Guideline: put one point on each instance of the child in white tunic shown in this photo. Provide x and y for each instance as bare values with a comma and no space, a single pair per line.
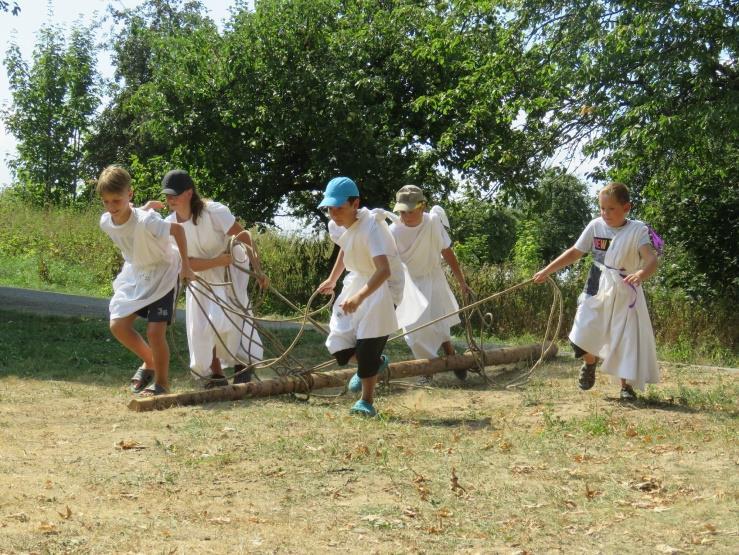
423,240
363,315
209,227
145,286
612,322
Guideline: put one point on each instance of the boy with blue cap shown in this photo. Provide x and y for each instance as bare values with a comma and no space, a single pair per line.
363,315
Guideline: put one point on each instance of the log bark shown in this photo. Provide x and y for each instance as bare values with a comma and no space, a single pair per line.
336,378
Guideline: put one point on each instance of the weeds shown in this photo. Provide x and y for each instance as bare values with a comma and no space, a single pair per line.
69,253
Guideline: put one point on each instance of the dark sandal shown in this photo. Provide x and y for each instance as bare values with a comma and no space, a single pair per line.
154,389
242,375
144,377
587,376
215,381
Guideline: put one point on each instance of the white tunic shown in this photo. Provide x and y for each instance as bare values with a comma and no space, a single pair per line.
151,262
420,249
612,321
366,238
209,239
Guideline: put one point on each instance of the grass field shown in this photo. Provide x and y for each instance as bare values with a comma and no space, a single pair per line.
460,468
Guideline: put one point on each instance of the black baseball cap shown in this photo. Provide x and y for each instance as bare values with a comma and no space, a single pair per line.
176,182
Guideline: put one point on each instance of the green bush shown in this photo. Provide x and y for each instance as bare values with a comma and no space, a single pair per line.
63,249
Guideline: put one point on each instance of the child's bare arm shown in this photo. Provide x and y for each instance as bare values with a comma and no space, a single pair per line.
649,261
177,231
328,285
200,264
562,261
153,205
381,274
451,259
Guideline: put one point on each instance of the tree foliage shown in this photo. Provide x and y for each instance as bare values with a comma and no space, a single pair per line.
53,101
653,87
6,7
555,214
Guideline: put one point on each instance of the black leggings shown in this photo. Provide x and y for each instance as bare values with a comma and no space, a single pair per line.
368,353
578,351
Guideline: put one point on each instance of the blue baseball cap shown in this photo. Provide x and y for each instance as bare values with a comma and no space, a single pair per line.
338,191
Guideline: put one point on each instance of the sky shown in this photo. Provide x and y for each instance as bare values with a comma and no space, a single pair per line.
23,28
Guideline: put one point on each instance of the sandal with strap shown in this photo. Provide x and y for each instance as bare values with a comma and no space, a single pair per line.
215,381
587,376
143,376
154,389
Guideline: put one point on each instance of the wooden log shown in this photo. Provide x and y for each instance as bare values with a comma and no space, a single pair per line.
336,378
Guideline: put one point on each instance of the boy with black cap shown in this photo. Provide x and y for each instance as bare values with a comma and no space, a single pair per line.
363,315
423,240
145,286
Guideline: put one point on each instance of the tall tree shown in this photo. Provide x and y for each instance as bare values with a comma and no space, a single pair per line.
53,101
653,87
140,124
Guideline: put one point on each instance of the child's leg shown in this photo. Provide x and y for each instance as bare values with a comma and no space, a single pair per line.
215,365
123,330
368,364
156,333
448,348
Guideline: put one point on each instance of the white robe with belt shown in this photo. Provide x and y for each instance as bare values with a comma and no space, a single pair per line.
614,324
427,295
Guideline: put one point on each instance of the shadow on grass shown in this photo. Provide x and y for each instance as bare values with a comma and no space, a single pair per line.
471,423
657,404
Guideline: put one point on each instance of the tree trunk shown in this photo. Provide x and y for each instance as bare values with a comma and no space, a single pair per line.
336,378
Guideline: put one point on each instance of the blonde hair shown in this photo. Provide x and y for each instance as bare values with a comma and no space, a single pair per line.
617,191
113,179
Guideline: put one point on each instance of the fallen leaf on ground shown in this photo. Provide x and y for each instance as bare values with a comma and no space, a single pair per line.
126,444
66,514
48,528
664,548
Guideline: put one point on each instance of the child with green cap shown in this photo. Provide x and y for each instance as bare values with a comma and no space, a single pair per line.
423,241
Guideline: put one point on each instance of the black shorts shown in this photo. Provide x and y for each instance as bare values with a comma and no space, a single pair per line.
368,353
160,310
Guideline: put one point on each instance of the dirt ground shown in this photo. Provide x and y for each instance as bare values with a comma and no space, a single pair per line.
472,469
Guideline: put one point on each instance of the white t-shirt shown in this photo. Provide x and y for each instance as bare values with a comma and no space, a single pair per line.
597,237
124,236
152,264
209,238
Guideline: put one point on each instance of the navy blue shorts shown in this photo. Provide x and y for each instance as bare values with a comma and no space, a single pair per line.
160,310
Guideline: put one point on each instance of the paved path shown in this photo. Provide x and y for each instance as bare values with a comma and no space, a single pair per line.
47,303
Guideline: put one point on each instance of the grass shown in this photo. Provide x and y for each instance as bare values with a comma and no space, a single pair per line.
468,469
70,254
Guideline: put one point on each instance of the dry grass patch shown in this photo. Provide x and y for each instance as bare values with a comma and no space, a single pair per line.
477,469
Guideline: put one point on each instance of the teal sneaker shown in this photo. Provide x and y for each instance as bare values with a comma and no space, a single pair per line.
355,383
363,408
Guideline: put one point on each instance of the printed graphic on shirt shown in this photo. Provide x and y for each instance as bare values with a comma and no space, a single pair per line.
601,243
600,246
